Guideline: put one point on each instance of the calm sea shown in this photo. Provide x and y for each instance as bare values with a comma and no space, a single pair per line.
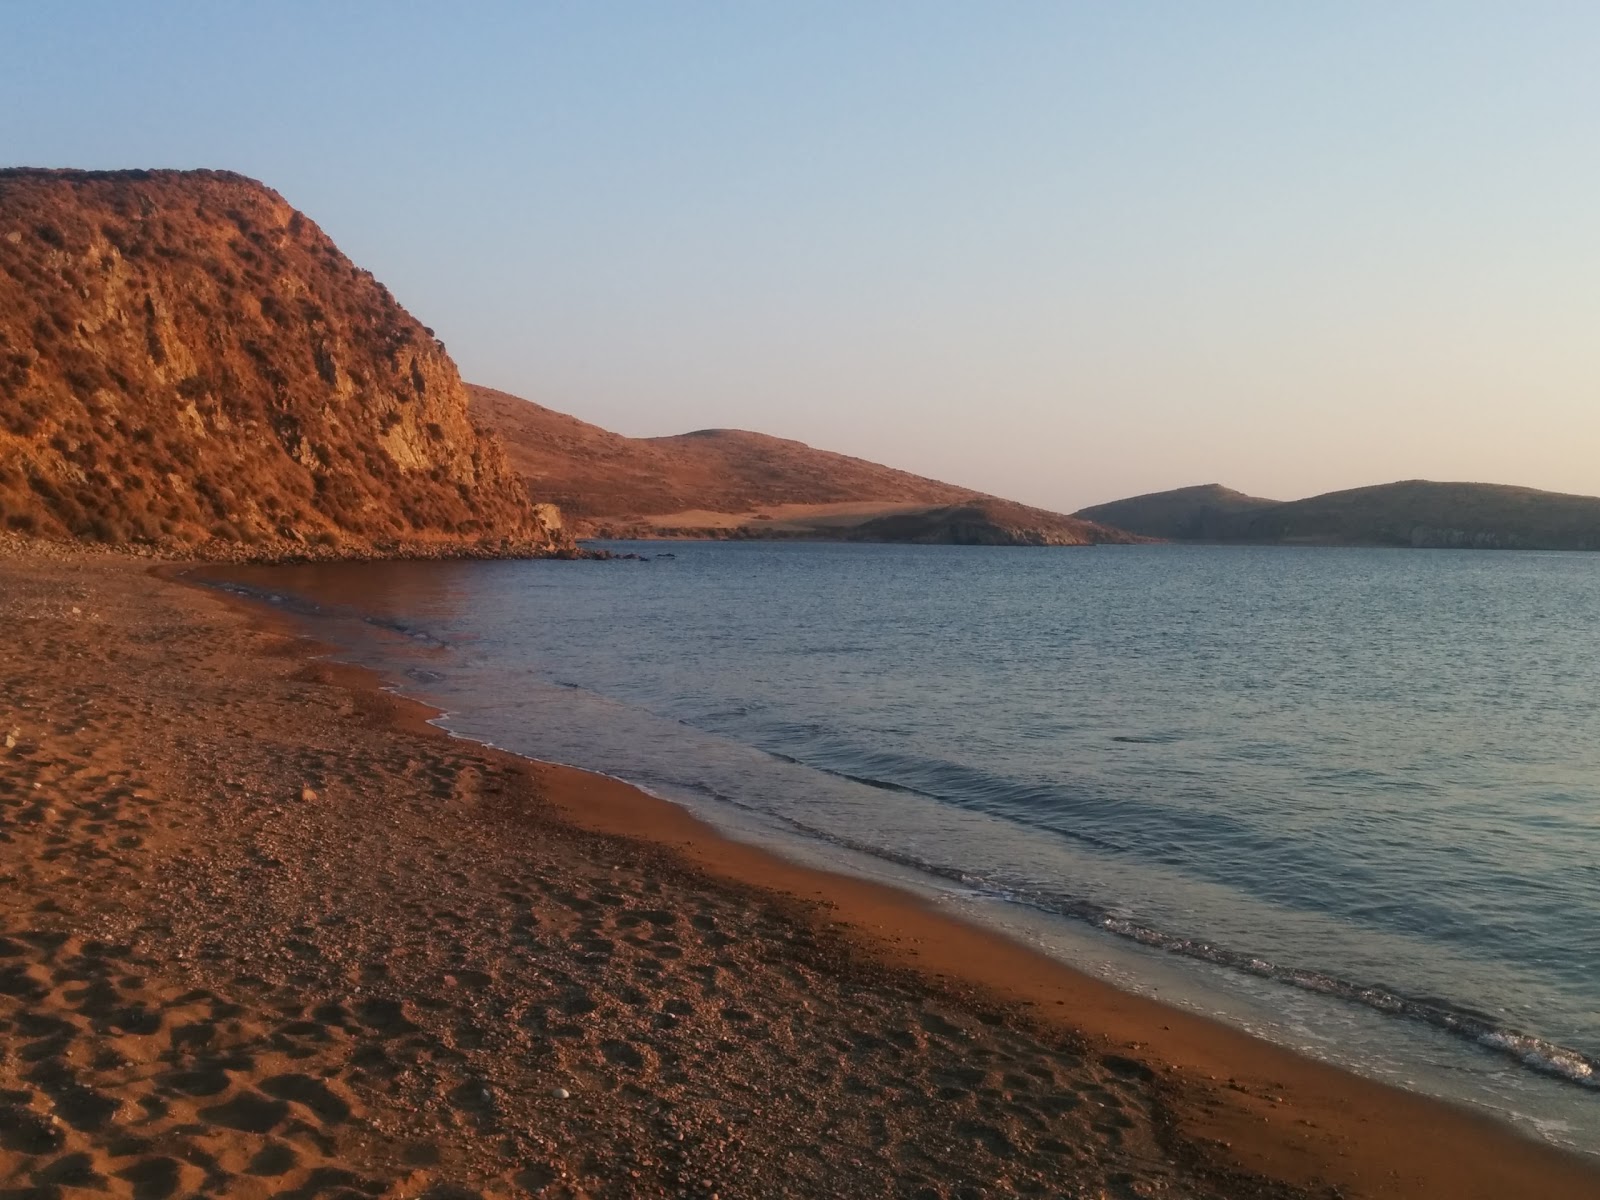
1348,799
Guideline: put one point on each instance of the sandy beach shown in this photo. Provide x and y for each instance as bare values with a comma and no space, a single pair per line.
264,931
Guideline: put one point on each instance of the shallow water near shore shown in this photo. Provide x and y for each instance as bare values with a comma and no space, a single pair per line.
1348,799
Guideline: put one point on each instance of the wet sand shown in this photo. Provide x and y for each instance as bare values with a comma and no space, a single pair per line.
264,931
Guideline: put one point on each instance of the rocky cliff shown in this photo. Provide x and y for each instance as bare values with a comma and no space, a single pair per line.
188,362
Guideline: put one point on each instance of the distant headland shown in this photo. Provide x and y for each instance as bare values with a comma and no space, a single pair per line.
1414,512
731,483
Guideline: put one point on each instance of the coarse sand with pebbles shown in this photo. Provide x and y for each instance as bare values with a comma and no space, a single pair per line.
263,932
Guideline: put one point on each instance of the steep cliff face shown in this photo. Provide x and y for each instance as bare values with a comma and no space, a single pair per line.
185,360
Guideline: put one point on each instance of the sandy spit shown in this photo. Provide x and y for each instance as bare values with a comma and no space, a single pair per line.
265,932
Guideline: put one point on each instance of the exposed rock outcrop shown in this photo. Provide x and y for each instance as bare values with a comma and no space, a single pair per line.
188,362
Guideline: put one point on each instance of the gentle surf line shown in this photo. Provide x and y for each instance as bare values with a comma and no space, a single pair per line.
1527,1050
1534,1053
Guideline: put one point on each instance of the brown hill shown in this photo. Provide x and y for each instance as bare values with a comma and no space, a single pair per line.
987,521
185,360
591,472
732,483
1200,513
1414,512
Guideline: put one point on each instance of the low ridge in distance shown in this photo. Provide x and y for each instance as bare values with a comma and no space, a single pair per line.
1414,512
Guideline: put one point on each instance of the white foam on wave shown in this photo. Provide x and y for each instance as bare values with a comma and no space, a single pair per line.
1542,1056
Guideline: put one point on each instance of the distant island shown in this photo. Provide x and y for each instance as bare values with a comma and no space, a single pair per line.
1414,512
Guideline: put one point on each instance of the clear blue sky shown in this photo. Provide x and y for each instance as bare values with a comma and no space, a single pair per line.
1061,251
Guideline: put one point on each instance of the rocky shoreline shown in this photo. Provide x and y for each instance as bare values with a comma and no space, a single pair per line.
283,551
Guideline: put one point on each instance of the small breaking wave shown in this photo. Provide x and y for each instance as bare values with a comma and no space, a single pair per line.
953,786
1532,1052
1083,813
302,607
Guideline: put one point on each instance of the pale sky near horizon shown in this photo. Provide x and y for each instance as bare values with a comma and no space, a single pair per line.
1065,252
